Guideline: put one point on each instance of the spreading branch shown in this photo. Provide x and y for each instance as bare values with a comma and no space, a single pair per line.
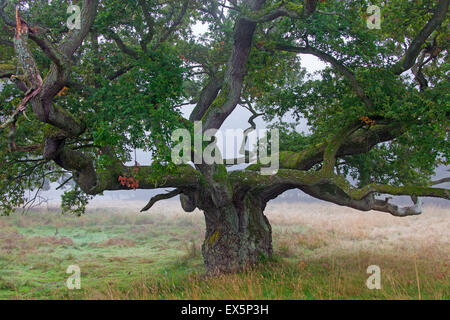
149,35
338,190
339,66
160,197
359,142
176,23
120,44
7,70
413,51
440,181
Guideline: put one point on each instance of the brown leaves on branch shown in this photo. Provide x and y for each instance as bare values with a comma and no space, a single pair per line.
63,92
129,182
367,121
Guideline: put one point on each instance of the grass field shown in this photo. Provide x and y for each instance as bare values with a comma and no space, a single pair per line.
321,252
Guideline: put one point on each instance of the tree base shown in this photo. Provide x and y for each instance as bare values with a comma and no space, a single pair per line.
237,237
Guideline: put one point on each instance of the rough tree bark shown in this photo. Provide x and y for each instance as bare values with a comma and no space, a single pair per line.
238,235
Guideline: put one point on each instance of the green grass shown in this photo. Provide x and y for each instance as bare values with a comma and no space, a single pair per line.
155,256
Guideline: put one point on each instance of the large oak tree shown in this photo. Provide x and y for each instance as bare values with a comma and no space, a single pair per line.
79,101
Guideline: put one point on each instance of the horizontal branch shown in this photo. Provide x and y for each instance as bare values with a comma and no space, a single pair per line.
359,142
335,189
440,181
7,70
418,191
6,42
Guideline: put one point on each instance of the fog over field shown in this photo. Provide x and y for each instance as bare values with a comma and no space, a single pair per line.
321,251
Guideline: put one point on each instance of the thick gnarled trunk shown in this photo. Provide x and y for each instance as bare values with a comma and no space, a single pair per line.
237,236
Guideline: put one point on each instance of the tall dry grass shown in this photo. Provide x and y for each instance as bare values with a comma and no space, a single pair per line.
323,252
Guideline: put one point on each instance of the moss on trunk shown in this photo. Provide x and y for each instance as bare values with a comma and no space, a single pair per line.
237,236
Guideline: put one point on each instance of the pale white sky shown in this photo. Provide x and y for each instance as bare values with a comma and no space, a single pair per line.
239,118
